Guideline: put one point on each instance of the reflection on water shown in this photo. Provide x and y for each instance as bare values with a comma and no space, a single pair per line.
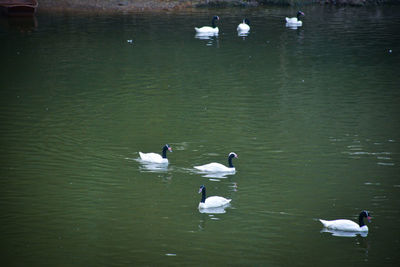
218,175
292,26
343,233
152,167
243,34
212,38
206,35
216,210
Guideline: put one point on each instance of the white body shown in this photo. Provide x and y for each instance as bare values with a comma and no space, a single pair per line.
344,225
243,27
214,167
214,202
207,29
152,157
293,21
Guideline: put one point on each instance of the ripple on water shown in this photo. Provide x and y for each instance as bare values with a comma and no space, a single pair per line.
385,164
369,183
358,149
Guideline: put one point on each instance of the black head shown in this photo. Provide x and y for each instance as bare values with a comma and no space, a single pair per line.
232,155
300,13
164,151
213,21
167,147
366,214
202,187
363,214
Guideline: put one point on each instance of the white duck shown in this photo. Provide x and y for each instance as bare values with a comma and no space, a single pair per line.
295,21
208,29
244,26
347,225
156,158
211,202
218,167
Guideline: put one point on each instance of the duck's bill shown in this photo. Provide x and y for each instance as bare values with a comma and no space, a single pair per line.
170,149
369,218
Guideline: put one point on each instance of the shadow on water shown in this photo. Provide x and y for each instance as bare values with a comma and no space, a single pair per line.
25,24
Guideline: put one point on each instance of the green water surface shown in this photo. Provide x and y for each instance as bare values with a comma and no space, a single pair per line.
313,114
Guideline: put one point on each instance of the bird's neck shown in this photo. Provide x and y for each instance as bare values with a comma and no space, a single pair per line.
361,220
213,23
298,16
230,162
203,195
164,153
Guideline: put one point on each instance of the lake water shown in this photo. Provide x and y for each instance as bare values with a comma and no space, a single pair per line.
313,114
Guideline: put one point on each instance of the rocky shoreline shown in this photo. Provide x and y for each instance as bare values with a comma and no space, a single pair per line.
166,5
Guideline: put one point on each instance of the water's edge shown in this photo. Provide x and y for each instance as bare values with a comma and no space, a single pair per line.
161,5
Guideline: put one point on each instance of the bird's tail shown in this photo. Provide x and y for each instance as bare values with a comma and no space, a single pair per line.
324,223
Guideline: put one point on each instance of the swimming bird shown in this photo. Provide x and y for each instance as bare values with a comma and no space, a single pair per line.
244,26
295,21
211,202
156,158
218,167
347,225
208,29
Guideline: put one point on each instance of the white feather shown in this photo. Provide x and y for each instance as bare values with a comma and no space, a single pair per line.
243,27
214,167
214,202
152,157
293,21
344,225
207,29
